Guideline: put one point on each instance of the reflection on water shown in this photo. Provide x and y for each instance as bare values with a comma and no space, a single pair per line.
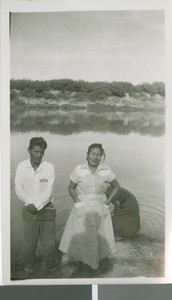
69,122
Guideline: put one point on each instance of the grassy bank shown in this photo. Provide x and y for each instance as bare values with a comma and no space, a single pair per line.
67,94
69,101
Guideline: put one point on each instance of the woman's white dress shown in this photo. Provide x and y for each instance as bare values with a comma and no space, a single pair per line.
88,235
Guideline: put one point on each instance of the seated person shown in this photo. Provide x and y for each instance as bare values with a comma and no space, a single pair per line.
125,216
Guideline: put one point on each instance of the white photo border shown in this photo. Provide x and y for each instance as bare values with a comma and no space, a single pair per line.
8,6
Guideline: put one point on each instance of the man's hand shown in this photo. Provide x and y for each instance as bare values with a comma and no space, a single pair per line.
32,209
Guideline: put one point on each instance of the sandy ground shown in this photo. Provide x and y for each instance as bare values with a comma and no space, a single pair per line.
141,256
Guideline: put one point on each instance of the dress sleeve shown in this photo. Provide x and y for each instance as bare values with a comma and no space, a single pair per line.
74,176
111,175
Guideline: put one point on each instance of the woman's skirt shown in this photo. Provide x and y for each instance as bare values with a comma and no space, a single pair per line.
88,235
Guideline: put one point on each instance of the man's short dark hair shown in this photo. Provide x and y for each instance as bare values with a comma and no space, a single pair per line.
37,141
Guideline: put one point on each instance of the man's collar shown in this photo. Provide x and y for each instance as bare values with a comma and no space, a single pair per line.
28,165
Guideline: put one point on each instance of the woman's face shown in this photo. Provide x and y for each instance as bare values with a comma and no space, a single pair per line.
94,157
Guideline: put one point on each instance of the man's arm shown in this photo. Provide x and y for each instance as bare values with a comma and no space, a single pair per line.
19,188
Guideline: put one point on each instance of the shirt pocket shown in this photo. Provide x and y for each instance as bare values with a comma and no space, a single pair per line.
43,183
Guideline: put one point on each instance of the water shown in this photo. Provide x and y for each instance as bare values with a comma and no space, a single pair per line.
134,146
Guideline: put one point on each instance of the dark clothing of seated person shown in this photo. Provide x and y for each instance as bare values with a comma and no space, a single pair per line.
126,216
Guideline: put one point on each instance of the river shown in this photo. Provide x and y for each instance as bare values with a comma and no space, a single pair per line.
134,146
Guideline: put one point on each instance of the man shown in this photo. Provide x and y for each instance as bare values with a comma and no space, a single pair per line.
34,183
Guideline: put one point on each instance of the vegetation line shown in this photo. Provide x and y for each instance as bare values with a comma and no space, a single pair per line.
70,94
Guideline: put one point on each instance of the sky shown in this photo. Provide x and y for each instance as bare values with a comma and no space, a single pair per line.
92,46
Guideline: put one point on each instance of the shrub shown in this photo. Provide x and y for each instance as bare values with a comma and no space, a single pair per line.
13,95
28,93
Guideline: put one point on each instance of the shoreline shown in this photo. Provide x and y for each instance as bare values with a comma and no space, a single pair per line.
89,107
69,95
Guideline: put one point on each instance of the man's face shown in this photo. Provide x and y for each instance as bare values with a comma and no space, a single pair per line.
36,155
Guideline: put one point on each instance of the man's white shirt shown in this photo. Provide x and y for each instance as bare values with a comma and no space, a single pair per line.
35,187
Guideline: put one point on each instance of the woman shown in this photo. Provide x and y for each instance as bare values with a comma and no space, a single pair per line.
88,235
126,215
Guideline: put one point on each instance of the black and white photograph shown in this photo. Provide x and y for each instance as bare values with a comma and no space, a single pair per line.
87,145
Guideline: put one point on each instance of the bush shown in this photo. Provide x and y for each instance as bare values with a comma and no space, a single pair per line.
28,93
48,95
13,95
